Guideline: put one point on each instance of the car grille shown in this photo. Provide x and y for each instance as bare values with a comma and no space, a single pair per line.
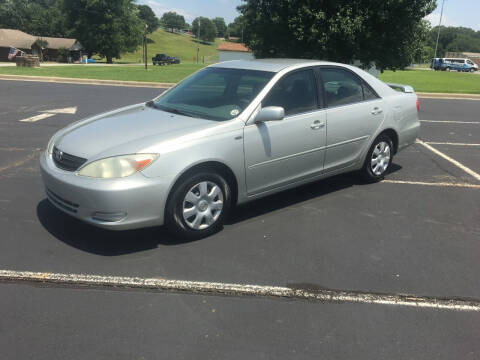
66,161
61,202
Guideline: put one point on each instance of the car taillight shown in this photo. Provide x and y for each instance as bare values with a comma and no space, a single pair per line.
418,105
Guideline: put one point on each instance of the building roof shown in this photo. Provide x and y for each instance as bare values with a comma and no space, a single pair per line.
16,38
58,43
21,40
230,46
460,54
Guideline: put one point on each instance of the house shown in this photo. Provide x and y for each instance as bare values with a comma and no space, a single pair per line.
14,38
52,45
45,47
233,51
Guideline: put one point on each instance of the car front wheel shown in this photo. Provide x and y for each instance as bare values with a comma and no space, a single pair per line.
378,160
198,206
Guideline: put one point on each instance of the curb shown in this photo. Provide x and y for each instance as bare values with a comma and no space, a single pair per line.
86,81
422,95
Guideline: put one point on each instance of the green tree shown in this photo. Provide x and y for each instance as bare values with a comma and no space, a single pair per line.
146,14
456,39
208,31
220,25
172,20
372,31
236,27
36,17
105,27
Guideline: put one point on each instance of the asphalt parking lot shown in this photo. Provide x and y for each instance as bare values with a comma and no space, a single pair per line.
416,233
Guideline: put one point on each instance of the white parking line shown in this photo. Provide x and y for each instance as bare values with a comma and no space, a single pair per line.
37,117
70,110
449,143
448,158
202,287
451,122
441,184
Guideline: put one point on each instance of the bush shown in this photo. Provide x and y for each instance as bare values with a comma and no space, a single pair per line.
62,55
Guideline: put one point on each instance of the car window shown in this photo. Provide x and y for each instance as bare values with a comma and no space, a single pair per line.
368,93
296,93
341,87
214,93
249,87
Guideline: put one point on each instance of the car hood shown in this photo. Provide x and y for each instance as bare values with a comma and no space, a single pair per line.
126,131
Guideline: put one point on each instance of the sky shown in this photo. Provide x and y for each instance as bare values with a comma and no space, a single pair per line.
190,9
455,13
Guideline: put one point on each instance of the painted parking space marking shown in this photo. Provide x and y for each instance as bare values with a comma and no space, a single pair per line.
448,158
451,122
439,184
49,113
22,161
216,288
450,143
37,117
69,110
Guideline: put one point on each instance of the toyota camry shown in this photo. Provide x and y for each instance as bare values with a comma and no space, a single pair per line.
232,132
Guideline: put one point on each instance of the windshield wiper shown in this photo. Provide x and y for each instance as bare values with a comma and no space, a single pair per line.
172,110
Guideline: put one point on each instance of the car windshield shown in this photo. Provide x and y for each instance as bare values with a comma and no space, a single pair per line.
214,93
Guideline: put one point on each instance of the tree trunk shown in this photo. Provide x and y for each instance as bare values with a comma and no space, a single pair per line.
109,60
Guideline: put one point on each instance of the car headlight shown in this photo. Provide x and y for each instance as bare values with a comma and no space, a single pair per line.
117,166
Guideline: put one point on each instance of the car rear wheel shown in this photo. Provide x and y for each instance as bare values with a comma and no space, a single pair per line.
378,160
198,206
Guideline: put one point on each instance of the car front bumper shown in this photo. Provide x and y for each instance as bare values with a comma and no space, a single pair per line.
118,204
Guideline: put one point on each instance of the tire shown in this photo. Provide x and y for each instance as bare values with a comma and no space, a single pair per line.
375,171
194,202
472,70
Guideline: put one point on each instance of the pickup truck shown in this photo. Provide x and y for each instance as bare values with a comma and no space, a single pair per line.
164,59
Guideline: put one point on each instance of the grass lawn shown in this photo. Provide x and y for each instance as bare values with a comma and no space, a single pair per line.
182,46
435,81
168,74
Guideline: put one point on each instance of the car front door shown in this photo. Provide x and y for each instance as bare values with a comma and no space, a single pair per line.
354,113
278,153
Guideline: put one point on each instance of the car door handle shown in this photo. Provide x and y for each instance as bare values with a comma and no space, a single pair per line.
317,124
376,111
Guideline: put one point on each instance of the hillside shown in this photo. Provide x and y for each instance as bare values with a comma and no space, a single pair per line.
181,46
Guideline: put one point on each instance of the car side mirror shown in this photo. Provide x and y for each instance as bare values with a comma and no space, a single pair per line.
270,113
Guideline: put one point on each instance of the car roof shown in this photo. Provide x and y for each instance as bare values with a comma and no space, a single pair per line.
272,65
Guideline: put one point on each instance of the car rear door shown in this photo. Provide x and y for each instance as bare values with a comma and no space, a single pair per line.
278,153
354,113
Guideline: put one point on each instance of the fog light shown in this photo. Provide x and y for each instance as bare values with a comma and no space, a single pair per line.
108,216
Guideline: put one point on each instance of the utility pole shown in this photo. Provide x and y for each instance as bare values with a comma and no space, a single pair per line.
438,34
145,44
198,38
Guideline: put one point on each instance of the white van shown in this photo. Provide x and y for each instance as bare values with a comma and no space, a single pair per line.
459,64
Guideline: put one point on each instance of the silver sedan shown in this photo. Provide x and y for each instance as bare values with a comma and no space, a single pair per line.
230,133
